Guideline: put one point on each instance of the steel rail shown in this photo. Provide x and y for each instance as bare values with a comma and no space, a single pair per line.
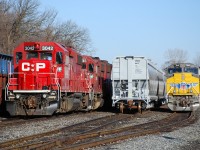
107,137
89,126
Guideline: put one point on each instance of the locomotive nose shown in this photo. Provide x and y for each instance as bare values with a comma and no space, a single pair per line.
35,74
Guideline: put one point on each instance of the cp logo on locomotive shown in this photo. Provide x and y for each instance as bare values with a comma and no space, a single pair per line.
26,66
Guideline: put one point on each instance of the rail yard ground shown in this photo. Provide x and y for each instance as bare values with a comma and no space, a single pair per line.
186,138
183,138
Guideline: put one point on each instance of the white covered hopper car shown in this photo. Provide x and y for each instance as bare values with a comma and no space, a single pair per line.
137,84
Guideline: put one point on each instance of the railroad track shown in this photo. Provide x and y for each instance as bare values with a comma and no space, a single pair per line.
81,128
96,132
99,135
105,137
19,121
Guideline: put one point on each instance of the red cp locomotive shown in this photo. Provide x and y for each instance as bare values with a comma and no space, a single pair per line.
51,78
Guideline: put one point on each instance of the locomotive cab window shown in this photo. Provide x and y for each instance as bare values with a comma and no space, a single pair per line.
18,57
46,56
59,58
83,66
192,70
91,67
79,60
32,55
174,70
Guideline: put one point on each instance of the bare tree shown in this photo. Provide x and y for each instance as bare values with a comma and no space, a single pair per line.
197,60
70,34
174,56
6,18
23,21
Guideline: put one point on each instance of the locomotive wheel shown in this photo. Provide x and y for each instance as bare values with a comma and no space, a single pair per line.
121,107
140,107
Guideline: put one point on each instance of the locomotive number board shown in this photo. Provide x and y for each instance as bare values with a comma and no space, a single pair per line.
44,48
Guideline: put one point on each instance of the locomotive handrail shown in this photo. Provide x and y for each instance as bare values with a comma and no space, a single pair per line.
31,91
6,90
17,73
195,90
57,83
169,90
59,88
8,83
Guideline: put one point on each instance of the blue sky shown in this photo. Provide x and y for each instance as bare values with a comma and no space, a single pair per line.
135,27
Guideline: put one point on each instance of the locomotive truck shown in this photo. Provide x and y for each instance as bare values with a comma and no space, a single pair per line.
51,78
183,91
137,84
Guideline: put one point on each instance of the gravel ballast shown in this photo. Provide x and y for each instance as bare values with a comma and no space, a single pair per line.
182,139
27,129
186,138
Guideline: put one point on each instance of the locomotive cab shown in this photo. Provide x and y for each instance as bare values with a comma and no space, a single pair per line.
34,85
182,87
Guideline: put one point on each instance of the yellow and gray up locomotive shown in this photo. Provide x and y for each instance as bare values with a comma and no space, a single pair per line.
182,85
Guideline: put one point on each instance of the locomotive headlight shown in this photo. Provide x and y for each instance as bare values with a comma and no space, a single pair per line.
91,76
44,95
59,69
17,96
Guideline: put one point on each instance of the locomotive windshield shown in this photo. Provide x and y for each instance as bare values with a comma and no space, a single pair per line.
46,56
32,55
174,70
192,70
184,69
43,56
18,56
